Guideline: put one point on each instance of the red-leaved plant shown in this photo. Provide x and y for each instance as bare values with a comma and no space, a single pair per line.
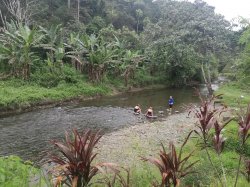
219,140
247,173
207,115
244,126
172,166
117,178
75,162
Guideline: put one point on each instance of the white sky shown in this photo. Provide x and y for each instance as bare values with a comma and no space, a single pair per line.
231,8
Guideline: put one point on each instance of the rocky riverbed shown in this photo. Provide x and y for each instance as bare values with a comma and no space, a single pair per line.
143,139
125,146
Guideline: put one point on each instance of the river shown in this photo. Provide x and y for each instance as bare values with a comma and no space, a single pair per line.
28,135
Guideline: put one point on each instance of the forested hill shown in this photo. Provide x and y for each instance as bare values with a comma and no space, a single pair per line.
173,40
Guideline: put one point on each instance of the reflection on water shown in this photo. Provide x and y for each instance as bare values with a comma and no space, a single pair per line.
27,135
158,99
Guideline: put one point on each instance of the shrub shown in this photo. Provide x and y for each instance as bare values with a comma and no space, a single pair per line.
15,172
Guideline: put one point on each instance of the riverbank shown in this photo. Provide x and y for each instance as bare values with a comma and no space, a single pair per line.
234,95
143,139
125,145
19,96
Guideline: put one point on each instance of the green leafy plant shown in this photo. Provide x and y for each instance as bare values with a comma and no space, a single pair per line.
15,172
17,48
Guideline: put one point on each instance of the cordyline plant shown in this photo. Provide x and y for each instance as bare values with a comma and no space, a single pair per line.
172,166
208,117
76,160
219,125
219,141
206,114
116,179
244,126
248,170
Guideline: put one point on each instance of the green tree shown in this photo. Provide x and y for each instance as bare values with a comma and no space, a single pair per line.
17,48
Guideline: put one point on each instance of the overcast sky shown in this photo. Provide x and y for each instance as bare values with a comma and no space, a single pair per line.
231,8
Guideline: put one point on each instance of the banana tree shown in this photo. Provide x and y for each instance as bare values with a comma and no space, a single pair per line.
76,51
17,49
94,54
99,54
54,47
55,59
129,64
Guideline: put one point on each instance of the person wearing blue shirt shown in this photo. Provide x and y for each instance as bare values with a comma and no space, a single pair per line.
170,103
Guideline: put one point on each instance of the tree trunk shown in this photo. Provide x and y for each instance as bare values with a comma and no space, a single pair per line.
207,80
69,4
78,10
137,26
50,8
26,71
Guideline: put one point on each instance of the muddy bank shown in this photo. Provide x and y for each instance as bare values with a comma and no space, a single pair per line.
143,139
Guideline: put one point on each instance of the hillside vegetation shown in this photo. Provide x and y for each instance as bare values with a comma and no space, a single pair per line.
119,44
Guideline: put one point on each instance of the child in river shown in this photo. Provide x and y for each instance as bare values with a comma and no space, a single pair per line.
149,112
137,109
170,103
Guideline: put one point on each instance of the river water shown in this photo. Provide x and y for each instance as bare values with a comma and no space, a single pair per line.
28,135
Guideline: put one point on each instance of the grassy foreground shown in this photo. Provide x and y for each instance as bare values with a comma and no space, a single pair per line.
234,96
228,160
14,172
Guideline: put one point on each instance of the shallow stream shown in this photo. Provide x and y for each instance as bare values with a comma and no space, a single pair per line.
28,135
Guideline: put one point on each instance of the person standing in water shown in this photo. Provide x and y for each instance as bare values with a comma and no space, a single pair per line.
170,103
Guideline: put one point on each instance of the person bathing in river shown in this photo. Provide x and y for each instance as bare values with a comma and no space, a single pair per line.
137,109
149,112
170,103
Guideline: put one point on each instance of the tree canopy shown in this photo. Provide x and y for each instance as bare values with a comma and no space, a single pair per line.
174,39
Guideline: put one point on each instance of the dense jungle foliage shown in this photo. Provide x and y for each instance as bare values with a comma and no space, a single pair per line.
173,42
121,43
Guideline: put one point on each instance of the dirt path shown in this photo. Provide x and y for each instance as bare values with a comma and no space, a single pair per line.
126,145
